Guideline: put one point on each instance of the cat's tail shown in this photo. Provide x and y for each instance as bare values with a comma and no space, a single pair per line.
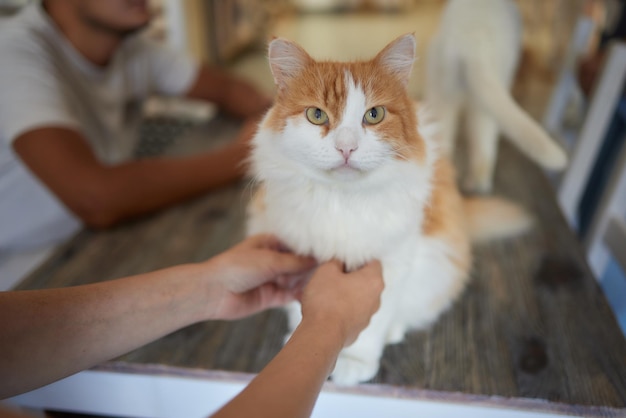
491,218
518,126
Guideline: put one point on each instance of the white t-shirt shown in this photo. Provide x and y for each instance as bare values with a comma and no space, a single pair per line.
45,81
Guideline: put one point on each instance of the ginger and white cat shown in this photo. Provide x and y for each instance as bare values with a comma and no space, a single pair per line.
471,64
347,170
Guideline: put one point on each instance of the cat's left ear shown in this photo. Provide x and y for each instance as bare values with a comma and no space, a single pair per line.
398,57
287,59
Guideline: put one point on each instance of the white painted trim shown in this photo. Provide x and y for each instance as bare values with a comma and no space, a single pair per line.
165,396
612,206
602,107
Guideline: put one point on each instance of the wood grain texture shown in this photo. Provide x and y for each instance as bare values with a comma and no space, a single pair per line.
533,324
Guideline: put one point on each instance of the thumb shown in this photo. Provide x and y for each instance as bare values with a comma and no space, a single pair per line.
333,266
267,296
281,264
271,267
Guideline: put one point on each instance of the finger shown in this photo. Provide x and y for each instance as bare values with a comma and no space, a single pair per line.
260,241
271,267
374,270
298,293
290,264
292,280
372,267
332,266
298,289
266,241
268,296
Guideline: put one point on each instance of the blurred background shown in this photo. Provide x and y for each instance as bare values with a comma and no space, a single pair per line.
234,33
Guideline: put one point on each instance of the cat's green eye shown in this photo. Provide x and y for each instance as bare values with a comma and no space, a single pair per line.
316,116
374,115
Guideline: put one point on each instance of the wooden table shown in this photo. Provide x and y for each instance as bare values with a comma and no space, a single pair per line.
532,331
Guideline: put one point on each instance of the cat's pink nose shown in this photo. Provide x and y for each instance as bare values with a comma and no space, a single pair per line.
346,150
346,142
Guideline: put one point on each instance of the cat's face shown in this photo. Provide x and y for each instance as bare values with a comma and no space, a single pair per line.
344,121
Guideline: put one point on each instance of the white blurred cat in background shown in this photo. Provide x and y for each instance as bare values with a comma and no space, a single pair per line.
471,63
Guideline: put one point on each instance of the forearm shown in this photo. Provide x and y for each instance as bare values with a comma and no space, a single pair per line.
102,195
140,187
243,100
289,385
50,334
234,95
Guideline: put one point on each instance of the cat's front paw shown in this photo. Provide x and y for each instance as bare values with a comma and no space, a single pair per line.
396,333
350,371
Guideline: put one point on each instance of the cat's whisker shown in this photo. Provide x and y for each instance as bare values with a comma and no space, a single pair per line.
404,152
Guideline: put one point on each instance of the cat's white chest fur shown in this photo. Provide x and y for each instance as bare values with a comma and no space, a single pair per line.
332,221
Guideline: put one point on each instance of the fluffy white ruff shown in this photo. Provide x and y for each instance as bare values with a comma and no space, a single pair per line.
354,220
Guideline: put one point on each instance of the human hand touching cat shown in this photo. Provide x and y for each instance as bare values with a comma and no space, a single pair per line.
347,300
252,276
336,306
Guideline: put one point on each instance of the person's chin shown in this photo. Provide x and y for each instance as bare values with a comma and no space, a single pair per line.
132,29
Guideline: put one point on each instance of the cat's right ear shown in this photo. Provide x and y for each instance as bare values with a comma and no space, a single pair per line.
398,57
287,59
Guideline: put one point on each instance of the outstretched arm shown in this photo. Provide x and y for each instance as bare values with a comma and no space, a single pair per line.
84,325
103,195
335,308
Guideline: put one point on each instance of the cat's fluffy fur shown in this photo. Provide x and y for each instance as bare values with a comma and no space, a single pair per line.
354,191
472,60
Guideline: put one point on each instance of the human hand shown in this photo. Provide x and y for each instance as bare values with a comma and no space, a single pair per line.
252,276
247,100
247,132
346,299
234,155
